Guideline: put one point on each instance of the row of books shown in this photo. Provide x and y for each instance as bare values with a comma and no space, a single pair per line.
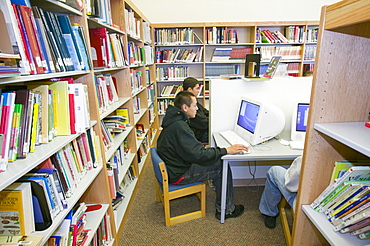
310,53
108,48
308,69
230,54
106,90
73,231
172,73
170,90
137,80
221,35
218,69
35,113
312,35
31,203
163,104
293,69
8,65
288,53
346,201
100,10
140,55
133,25
46,42
175,36
293,34
181,55
112,124
143,148
151,93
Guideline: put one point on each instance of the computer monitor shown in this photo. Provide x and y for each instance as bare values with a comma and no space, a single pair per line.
258,121
299,121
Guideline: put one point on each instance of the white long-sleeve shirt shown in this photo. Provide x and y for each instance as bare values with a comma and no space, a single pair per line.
292,175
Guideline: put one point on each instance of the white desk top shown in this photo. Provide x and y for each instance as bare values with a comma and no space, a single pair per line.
271,150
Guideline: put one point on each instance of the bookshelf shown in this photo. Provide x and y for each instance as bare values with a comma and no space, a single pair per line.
131,71
220,37
336,128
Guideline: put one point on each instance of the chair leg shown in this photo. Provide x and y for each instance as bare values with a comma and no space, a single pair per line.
158,193
284,221
203,201
167,212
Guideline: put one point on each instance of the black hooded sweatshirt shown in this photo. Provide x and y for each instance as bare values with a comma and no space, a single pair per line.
178,147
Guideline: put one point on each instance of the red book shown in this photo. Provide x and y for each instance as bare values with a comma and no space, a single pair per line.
98,41
25,41
25,16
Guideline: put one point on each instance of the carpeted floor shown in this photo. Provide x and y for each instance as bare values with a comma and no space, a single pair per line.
145,221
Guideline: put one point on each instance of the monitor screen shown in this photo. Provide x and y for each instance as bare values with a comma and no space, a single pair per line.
302,116
254,120
248,115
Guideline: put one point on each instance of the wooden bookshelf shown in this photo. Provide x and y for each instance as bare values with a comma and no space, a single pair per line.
340,104
94,187
205,69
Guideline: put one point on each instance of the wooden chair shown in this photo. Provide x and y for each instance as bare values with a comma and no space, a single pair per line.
283,205
166,192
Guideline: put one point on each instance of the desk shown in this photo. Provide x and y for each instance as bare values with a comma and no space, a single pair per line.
271,150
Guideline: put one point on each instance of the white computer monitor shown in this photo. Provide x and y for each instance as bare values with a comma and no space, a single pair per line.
258,121
299,121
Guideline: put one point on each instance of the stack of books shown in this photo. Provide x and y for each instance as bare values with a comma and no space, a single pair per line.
346,201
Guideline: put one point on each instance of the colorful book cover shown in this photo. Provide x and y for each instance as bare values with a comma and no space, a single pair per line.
16,210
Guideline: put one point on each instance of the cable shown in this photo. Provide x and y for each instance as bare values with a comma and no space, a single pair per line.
252,173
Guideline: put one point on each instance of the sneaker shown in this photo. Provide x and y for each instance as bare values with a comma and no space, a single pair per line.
239,210
270,221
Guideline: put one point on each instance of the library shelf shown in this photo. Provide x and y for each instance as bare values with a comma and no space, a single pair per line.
335,129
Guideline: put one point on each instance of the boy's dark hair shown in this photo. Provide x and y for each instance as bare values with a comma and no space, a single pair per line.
183,97
189,82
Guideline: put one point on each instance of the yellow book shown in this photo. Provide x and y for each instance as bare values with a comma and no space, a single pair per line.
43,91
21,240
60,104
125,113
35,119
16,210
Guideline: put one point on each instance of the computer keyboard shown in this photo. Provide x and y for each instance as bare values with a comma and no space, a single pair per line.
232,138
296,144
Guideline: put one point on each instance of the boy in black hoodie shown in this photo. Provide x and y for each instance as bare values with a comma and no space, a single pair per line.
187,160
199,124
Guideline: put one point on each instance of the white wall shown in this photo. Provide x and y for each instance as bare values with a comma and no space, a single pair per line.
181,11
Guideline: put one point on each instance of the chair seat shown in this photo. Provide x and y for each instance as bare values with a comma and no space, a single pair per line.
172,187
166,192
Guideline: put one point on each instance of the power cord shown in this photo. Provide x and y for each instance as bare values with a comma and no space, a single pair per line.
253,180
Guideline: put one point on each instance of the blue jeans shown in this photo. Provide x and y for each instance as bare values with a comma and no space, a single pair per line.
214,172
274,189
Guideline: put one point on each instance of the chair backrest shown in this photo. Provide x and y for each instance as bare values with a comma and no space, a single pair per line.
156,160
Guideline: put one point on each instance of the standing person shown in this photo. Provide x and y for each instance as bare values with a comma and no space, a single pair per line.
199,124
187,160
279,182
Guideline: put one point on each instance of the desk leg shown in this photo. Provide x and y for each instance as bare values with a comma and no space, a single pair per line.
223,190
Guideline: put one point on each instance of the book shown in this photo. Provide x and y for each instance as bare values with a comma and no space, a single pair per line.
17,45
43,95
25,98
16,210
29,240
5,127
14,138
26,19
45,182
355,173
99,46
59,89
340,167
